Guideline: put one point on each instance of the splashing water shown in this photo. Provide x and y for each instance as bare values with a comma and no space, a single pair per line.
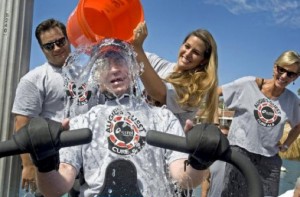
79,64
29,195
89,65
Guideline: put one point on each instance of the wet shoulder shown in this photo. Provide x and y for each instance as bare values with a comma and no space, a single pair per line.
85,119
163,113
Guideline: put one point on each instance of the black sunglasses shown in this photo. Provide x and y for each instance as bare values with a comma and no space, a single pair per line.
290,74
59,42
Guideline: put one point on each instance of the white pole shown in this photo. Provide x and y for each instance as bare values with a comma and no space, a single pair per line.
15,44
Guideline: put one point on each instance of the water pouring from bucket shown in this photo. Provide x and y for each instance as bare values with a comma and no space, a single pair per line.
94,20
91,65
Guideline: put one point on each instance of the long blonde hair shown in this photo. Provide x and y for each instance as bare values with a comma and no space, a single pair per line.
198,87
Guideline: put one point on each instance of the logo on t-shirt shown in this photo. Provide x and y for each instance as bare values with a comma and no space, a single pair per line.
81,93
267,113
126,133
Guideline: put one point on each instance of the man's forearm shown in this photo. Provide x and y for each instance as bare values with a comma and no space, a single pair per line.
187,177
21,121
56,183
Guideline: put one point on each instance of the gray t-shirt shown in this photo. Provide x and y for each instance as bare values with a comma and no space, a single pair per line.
41,93
258,121
163,69
45,92
119,133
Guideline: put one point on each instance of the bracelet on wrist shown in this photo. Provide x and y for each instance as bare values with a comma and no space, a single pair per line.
285,146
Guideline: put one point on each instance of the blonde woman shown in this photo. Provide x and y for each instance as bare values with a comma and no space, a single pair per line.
262,107
189,83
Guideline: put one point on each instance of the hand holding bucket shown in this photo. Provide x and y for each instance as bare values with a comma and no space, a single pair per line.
93,20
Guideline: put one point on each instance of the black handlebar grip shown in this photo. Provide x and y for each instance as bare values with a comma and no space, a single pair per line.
67,138
167,141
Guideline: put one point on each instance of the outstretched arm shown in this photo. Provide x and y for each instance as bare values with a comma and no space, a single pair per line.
154,85
28,168
56,183
187,178
292,136
42,139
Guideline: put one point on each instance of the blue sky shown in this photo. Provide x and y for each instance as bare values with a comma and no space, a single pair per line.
250,34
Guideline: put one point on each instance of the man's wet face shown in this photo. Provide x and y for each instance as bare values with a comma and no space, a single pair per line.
115,76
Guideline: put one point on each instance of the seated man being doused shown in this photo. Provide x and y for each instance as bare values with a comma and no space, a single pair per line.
118,160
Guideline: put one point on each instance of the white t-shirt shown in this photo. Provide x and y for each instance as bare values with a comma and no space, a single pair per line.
258,121
119,133
41,93
45,92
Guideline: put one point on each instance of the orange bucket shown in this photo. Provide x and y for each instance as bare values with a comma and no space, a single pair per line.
93,20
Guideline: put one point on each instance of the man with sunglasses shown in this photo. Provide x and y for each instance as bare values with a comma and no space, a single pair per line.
262,108
41,91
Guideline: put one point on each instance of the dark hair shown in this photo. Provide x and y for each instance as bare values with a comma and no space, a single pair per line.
47,25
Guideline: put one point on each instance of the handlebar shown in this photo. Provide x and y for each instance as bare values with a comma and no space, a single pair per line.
204,142
209,140
67,138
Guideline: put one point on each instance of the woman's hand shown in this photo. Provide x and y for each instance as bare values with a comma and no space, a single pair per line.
139,35
65,124
188,125
282,147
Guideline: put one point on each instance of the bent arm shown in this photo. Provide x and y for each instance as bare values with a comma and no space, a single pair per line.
28,170
21,121
56,183
292,136
154,85
189,178
216,115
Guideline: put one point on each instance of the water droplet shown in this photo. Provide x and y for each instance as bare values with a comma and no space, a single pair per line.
114,173
29,194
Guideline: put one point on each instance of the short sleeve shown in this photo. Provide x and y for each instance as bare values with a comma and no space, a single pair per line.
28,99
232,91
294,108
162,67
173,127
171,101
